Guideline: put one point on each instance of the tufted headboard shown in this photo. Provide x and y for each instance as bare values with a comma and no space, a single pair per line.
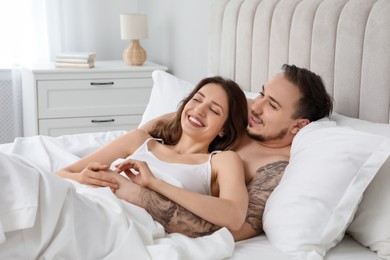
347,42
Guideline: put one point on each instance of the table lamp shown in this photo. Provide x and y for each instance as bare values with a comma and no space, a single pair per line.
134,27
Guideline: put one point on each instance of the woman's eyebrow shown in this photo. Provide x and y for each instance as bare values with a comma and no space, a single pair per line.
214,102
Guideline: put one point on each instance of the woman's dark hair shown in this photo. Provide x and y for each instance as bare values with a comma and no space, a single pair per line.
315,102
170,130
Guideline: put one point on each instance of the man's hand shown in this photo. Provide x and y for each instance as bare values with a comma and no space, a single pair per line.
127,190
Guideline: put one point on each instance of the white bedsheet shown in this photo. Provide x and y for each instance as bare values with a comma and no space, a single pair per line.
260,248
45,217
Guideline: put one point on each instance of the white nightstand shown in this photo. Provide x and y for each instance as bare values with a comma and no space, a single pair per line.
111,96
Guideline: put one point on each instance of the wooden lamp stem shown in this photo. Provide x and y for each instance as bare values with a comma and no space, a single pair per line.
134,54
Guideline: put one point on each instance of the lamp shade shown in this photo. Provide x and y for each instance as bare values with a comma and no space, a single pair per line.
134,26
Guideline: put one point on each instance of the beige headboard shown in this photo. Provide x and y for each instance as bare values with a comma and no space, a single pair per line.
347,42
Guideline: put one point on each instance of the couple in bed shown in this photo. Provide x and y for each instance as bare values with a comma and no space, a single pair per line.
220,188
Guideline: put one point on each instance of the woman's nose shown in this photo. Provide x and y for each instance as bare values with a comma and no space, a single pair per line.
200,109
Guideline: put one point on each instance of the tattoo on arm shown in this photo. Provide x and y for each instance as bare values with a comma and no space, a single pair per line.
264,182
173,217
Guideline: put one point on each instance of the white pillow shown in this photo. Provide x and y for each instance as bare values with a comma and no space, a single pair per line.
167,92
371,225
251,95
329,169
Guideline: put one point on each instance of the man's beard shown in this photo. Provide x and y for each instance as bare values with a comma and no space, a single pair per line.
263,138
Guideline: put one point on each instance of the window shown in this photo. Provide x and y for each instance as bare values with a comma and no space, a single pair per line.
23,32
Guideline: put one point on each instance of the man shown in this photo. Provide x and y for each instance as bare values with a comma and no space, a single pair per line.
286,103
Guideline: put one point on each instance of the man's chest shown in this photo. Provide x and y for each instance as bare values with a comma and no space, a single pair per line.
255,161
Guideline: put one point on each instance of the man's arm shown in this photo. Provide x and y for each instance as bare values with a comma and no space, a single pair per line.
175,218
259,189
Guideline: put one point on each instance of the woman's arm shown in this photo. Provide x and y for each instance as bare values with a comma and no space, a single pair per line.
91,170
228,210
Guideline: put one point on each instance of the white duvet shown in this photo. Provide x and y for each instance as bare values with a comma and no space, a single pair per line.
45,217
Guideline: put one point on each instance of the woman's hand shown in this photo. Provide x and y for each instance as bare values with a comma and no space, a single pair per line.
97,175
142,175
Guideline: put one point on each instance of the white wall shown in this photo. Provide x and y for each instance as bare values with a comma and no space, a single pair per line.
178,35
178,31
88,25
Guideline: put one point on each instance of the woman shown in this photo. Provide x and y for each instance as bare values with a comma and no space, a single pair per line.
210,119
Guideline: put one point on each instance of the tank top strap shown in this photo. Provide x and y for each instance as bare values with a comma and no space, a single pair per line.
211,154
152,138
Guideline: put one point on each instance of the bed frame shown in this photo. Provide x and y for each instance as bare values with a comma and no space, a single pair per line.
347,42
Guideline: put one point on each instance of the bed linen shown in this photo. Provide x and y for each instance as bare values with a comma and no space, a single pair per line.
260,248
43,216
96,225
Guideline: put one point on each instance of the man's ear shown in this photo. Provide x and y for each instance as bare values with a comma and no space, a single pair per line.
299,125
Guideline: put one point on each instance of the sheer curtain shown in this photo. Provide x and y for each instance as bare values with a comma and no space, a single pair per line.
24,39
23,32
33,31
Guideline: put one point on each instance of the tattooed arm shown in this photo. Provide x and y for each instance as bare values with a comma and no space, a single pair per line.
172,216
259,189
175,218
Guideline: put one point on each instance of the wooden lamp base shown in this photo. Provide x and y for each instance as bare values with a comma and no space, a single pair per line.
134,55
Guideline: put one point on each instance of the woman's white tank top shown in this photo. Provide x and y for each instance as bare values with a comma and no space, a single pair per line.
193,177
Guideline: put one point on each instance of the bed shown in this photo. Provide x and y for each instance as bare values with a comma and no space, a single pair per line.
345,41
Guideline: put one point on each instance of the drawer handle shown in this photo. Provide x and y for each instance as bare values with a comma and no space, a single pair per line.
102,121
102,83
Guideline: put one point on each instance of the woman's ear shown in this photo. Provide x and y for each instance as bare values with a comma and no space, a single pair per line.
299,125
221,134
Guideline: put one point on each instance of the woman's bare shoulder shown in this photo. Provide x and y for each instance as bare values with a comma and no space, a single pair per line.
228,154
227,159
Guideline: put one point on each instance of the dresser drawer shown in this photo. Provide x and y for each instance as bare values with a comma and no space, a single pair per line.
78,98
64,126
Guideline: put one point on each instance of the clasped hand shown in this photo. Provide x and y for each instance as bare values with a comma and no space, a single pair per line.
139,174
100,175
138,171
97,175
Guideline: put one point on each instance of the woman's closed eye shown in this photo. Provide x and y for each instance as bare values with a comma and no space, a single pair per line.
215,111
